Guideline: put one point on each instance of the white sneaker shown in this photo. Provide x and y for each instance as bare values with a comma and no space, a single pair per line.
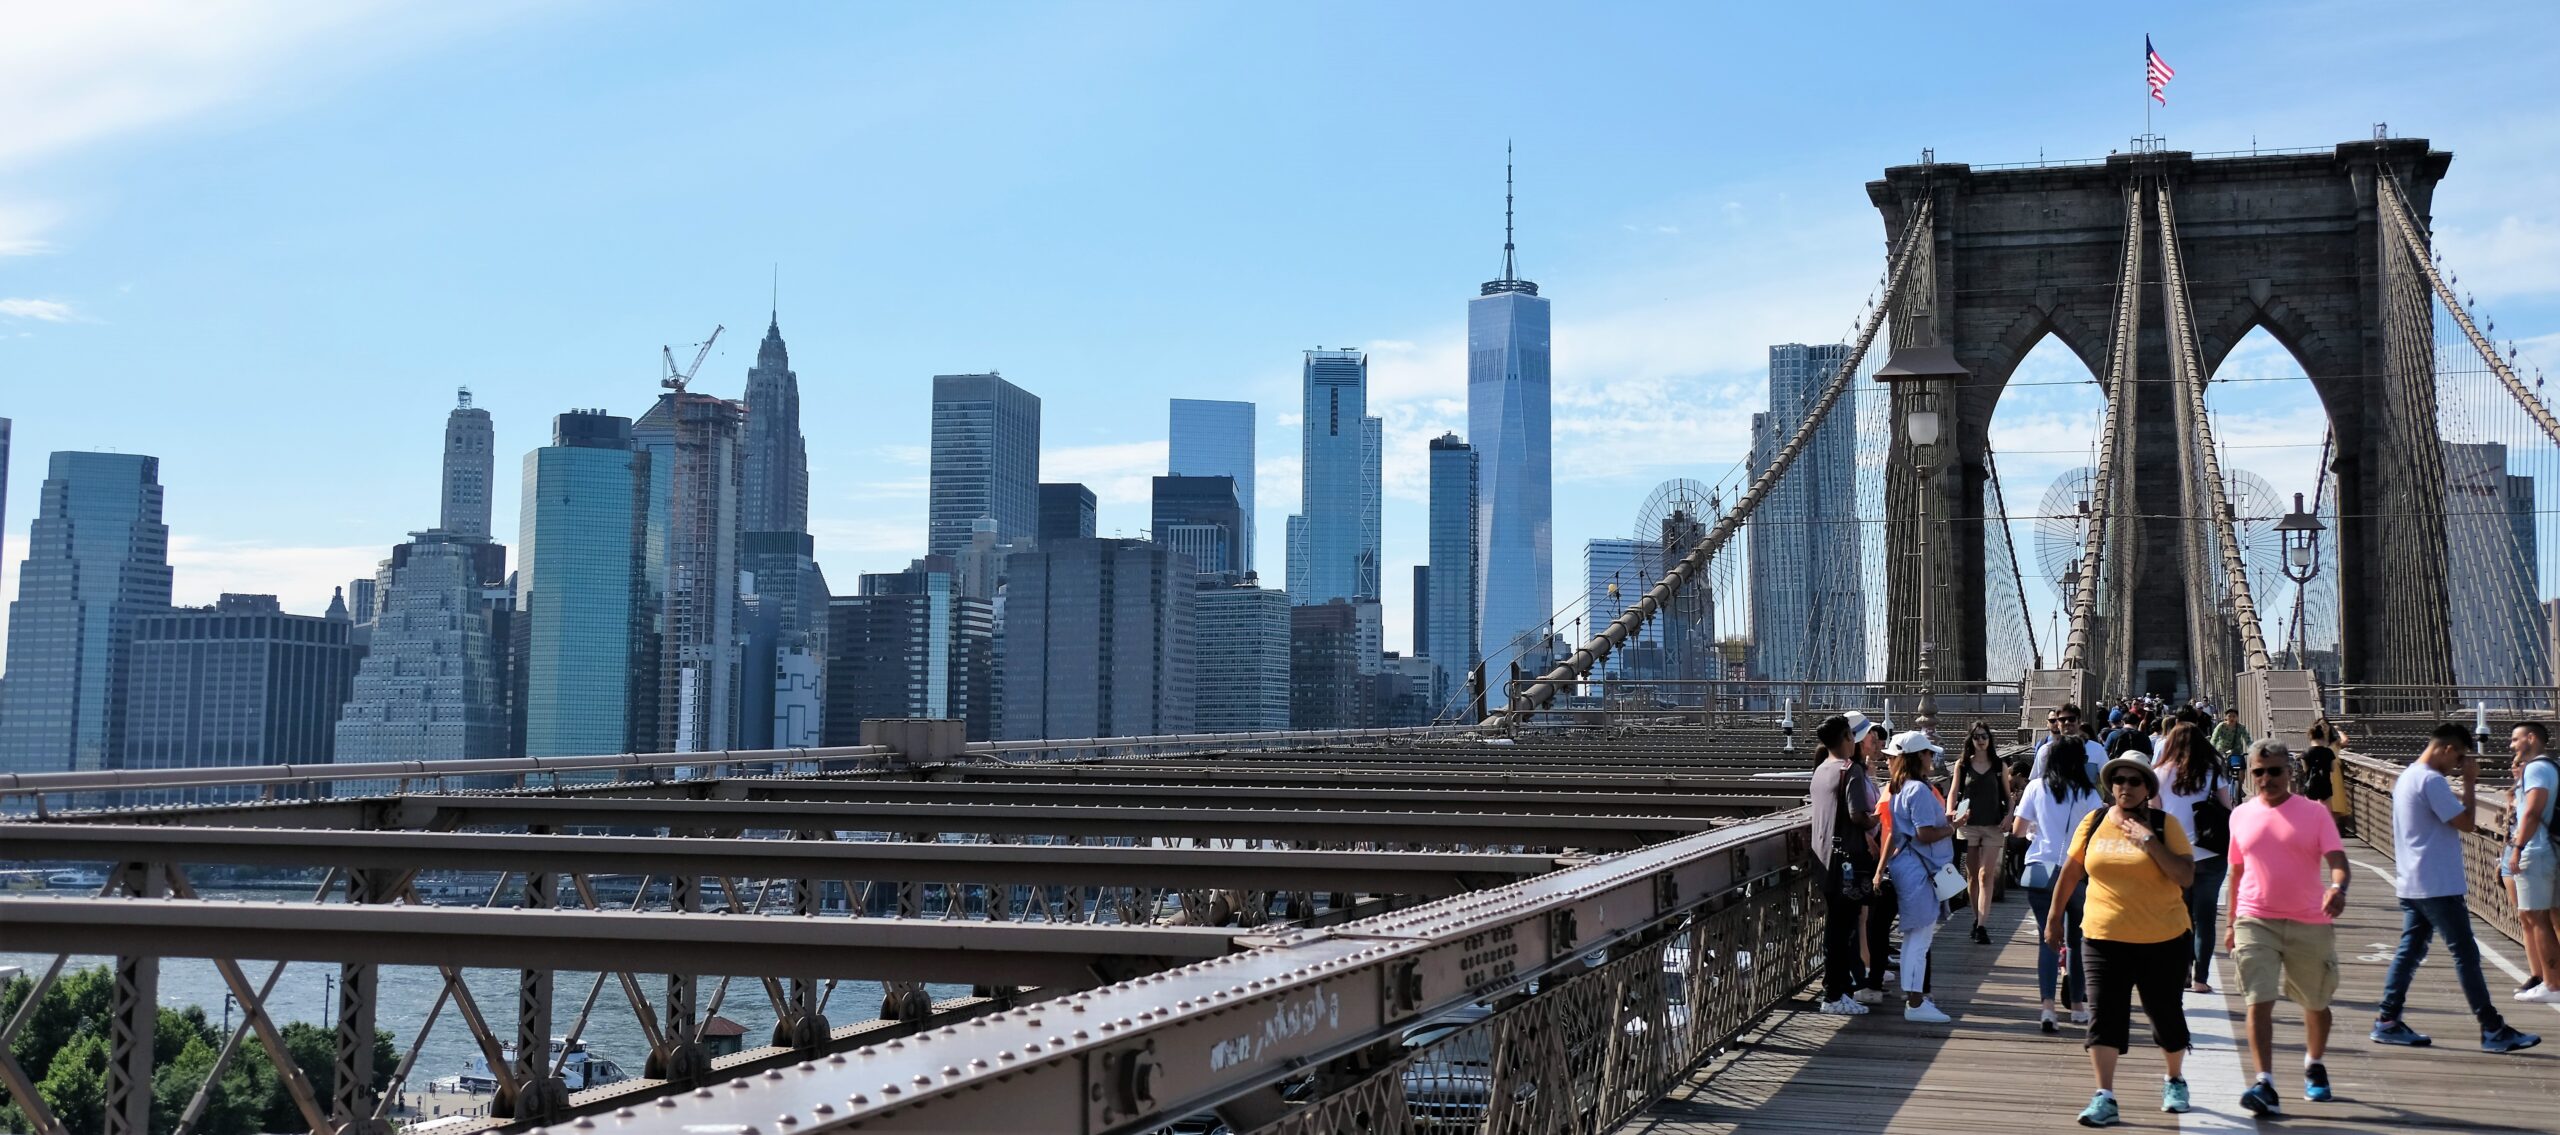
2541,995
1869,996
2532,993
1926,1012
1844,1007
2080,1016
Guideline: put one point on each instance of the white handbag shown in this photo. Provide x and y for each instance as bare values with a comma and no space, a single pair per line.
1949,882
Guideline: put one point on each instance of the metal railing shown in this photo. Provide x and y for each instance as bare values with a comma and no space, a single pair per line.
2362,701
1616,701
28,791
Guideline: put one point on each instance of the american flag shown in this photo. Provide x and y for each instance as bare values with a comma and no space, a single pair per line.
2158,71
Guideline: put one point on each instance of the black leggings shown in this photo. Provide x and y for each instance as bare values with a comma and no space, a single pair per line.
2155,970
1842,920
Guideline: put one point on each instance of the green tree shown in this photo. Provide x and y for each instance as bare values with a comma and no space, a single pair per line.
75,1085
77,1003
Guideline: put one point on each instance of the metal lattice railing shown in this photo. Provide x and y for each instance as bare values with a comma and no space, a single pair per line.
1593,1049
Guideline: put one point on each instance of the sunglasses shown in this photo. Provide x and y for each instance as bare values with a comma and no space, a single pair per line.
2270,770
2120,781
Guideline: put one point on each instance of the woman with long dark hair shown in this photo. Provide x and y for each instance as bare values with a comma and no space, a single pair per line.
2048,813
2195,790
2137,862
1981,795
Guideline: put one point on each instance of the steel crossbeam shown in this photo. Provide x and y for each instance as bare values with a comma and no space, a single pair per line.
1050,956
1133,1055
1391,872
1486,829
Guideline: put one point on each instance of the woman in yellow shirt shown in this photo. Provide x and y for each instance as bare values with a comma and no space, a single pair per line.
2136,936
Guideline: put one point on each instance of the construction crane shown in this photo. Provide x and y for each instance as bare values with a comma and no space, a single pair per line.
676,379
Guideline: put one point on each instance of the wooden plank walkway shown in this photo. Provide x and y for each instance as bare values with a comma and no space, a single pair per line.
1992,1072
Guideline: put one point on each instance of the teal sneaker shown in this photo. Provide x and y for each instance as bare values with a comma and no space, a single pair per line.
2101,1111
2173,1095
2315,1083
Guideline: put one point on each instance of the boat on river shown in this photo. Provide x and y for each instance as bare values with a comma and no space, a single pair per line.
582,1070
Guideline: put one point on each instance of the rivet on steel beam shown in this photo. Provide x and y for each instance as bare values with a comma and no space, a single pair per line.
857,1099
584,1123
837,1058
923,1080
823,1109
702,1093
785,1120
888,1089
670,1101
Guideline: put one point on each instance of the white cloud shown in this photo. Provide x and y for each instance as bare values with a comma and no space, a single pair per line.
1119,473
49,311
300,577
79,74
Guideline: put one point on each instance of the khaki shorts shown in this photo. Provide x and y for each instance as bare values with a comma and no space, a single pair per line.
1977,835
2280,958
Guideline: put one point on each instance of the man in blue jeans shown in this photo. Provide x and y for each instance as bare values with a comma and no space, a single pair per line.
2428,824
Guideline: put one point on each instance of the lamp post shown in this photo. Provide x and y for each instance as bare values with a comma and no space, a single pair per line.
2301,534
1924,367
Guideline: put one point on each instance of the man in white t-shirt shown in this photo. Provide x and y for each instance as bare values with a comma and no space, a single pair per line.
2067,719
2530,860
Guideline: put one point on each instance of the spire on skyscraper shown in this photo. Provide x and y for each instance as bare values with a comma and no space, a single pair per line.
1510,281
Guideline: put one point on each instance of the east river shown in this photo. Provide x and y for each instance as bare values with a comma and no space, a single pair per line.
306,990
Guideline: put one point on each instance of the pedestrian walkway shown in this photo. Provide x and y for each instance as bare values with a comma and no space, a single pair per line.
1993,1073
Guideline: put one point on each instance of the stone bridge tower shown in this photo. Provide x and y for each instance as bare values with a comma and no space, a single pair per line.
2290,242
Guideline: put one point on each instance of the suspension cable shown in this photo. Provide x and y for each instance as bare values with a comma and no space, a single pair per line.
2112,436
1694,564
2008,540
2396,209
2184,361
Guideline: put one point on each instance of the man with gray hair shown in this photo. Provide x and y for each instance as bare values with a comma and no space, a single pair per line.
2283,937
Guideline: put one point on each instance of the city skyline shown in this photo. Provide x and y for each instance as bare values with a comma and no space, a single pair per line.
1659,340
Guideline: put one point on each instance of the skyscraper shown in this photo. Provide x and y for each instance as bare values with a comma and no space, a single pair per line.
1507,420
1200,518
773,491
582,592
2498,628
1421,610
1099,641
910,645
97,559
4,490
1808,608
783,610
470,463
1216,439
1067,512
1243,684
237,683
1454,648
1617,573
433,683
1327,689
695,466
986,461
1338,483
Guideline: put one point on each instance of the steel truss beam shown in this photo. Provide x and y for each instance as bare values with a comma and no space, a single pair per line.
1392,872
1046,955
1561,830
1132,1056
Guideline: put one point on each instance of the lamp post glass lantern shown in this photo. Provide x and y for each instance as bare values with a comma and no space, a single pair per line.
2300,531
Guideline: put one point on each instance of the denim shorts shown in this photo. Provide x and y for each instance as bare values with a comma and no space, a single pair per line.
2537,870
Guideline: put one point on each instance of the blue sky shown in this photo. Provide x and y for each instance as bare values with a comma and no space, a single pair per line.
264,242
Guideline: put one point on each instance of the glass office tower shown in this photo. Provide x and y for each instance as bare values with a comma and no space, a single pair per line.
1507,421
986,461
1215,439
581,593
1338,483
1454,647
97,559
1808,607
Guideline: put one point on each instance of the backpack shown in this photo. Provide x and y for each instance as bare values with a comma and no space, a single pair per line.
2213,821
